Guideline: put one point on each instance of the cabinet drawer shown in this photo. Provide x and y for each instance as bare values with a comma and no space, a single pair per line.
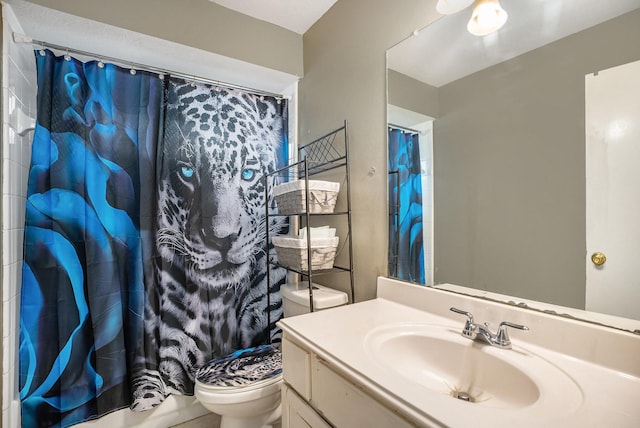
346,405
296,368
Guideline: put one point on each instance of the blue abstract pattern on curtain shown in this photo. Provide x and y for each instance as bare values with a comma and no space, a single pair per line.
145,244
406,249
211,293
89,195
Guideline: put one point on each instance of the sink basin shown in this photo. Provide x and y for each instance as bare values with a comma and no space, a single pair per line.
439,359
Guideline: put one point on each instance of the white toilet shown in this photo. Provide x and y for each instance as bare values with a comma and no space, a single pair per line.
244,403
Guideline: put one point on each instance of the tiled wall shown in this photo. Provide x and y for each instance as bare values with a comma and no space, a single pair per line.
18,92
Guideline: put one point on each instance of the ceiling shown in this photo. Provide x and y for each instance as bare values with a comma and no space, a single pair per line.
531,24
294,15
445,51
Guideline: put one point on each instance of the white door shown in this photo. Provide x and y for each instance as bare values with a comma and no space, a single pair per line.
613,190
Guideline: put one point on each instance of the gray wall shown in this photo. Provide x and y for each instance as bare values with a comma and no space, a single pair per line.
510,168
344,63
197,23
411,94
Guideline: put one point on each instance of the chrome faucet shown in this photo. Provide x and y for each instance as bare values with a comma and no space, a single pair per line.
474,331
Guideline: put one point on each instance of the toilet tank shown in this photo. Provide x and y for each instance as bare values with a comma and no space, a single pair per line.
295,299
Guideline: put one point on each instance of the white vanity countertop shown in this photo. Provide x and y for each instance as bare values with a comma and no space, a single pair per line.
605,397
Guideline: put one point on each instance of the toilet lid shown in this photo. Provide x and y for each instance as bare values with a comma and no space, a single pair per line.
243,368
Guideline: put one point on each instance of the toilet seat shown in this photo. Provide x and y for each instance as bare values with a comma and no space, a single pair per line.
240,389
246,376
208,394
242,370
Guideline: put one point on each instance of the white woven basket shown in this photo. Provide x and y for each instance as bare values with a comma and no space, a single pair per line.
292,252
291,197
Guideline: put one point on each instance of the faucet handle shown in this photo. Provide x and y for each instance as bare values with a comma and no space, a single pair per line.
502,339
469,315
469,329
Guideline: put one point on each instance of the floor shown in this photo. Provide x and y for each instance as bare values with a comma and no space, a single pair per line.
206,421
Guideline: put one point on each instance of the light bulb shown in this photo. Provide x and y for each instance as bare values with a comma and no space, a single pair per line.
488,16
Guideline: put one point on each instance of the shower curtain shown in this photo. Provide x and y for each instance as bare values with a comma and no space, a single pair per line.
125,241
406,249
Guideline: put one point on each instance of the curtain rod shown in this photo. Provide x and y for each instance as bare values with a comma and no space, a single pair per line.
404,128
21,38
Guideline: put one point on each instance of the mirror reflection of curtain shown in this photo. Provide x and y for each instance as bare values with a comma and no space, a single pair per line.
406,249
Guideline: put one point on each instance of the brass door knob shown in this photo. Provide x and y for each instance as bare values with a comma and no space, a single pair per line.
598,259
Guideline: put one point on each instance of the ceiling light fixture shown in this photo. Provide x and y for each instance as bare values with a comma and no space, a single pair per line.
488,16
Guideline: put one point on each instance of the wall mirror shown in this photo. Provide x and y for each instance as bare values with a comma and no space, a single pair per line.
526,137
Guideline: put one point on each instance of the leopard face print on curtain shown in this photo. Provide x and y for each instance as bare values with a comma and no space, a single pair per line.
211,293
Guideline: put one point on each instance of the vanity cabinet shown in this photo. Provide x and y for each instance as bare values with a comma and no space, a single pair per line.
297,413
397,360
315,394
